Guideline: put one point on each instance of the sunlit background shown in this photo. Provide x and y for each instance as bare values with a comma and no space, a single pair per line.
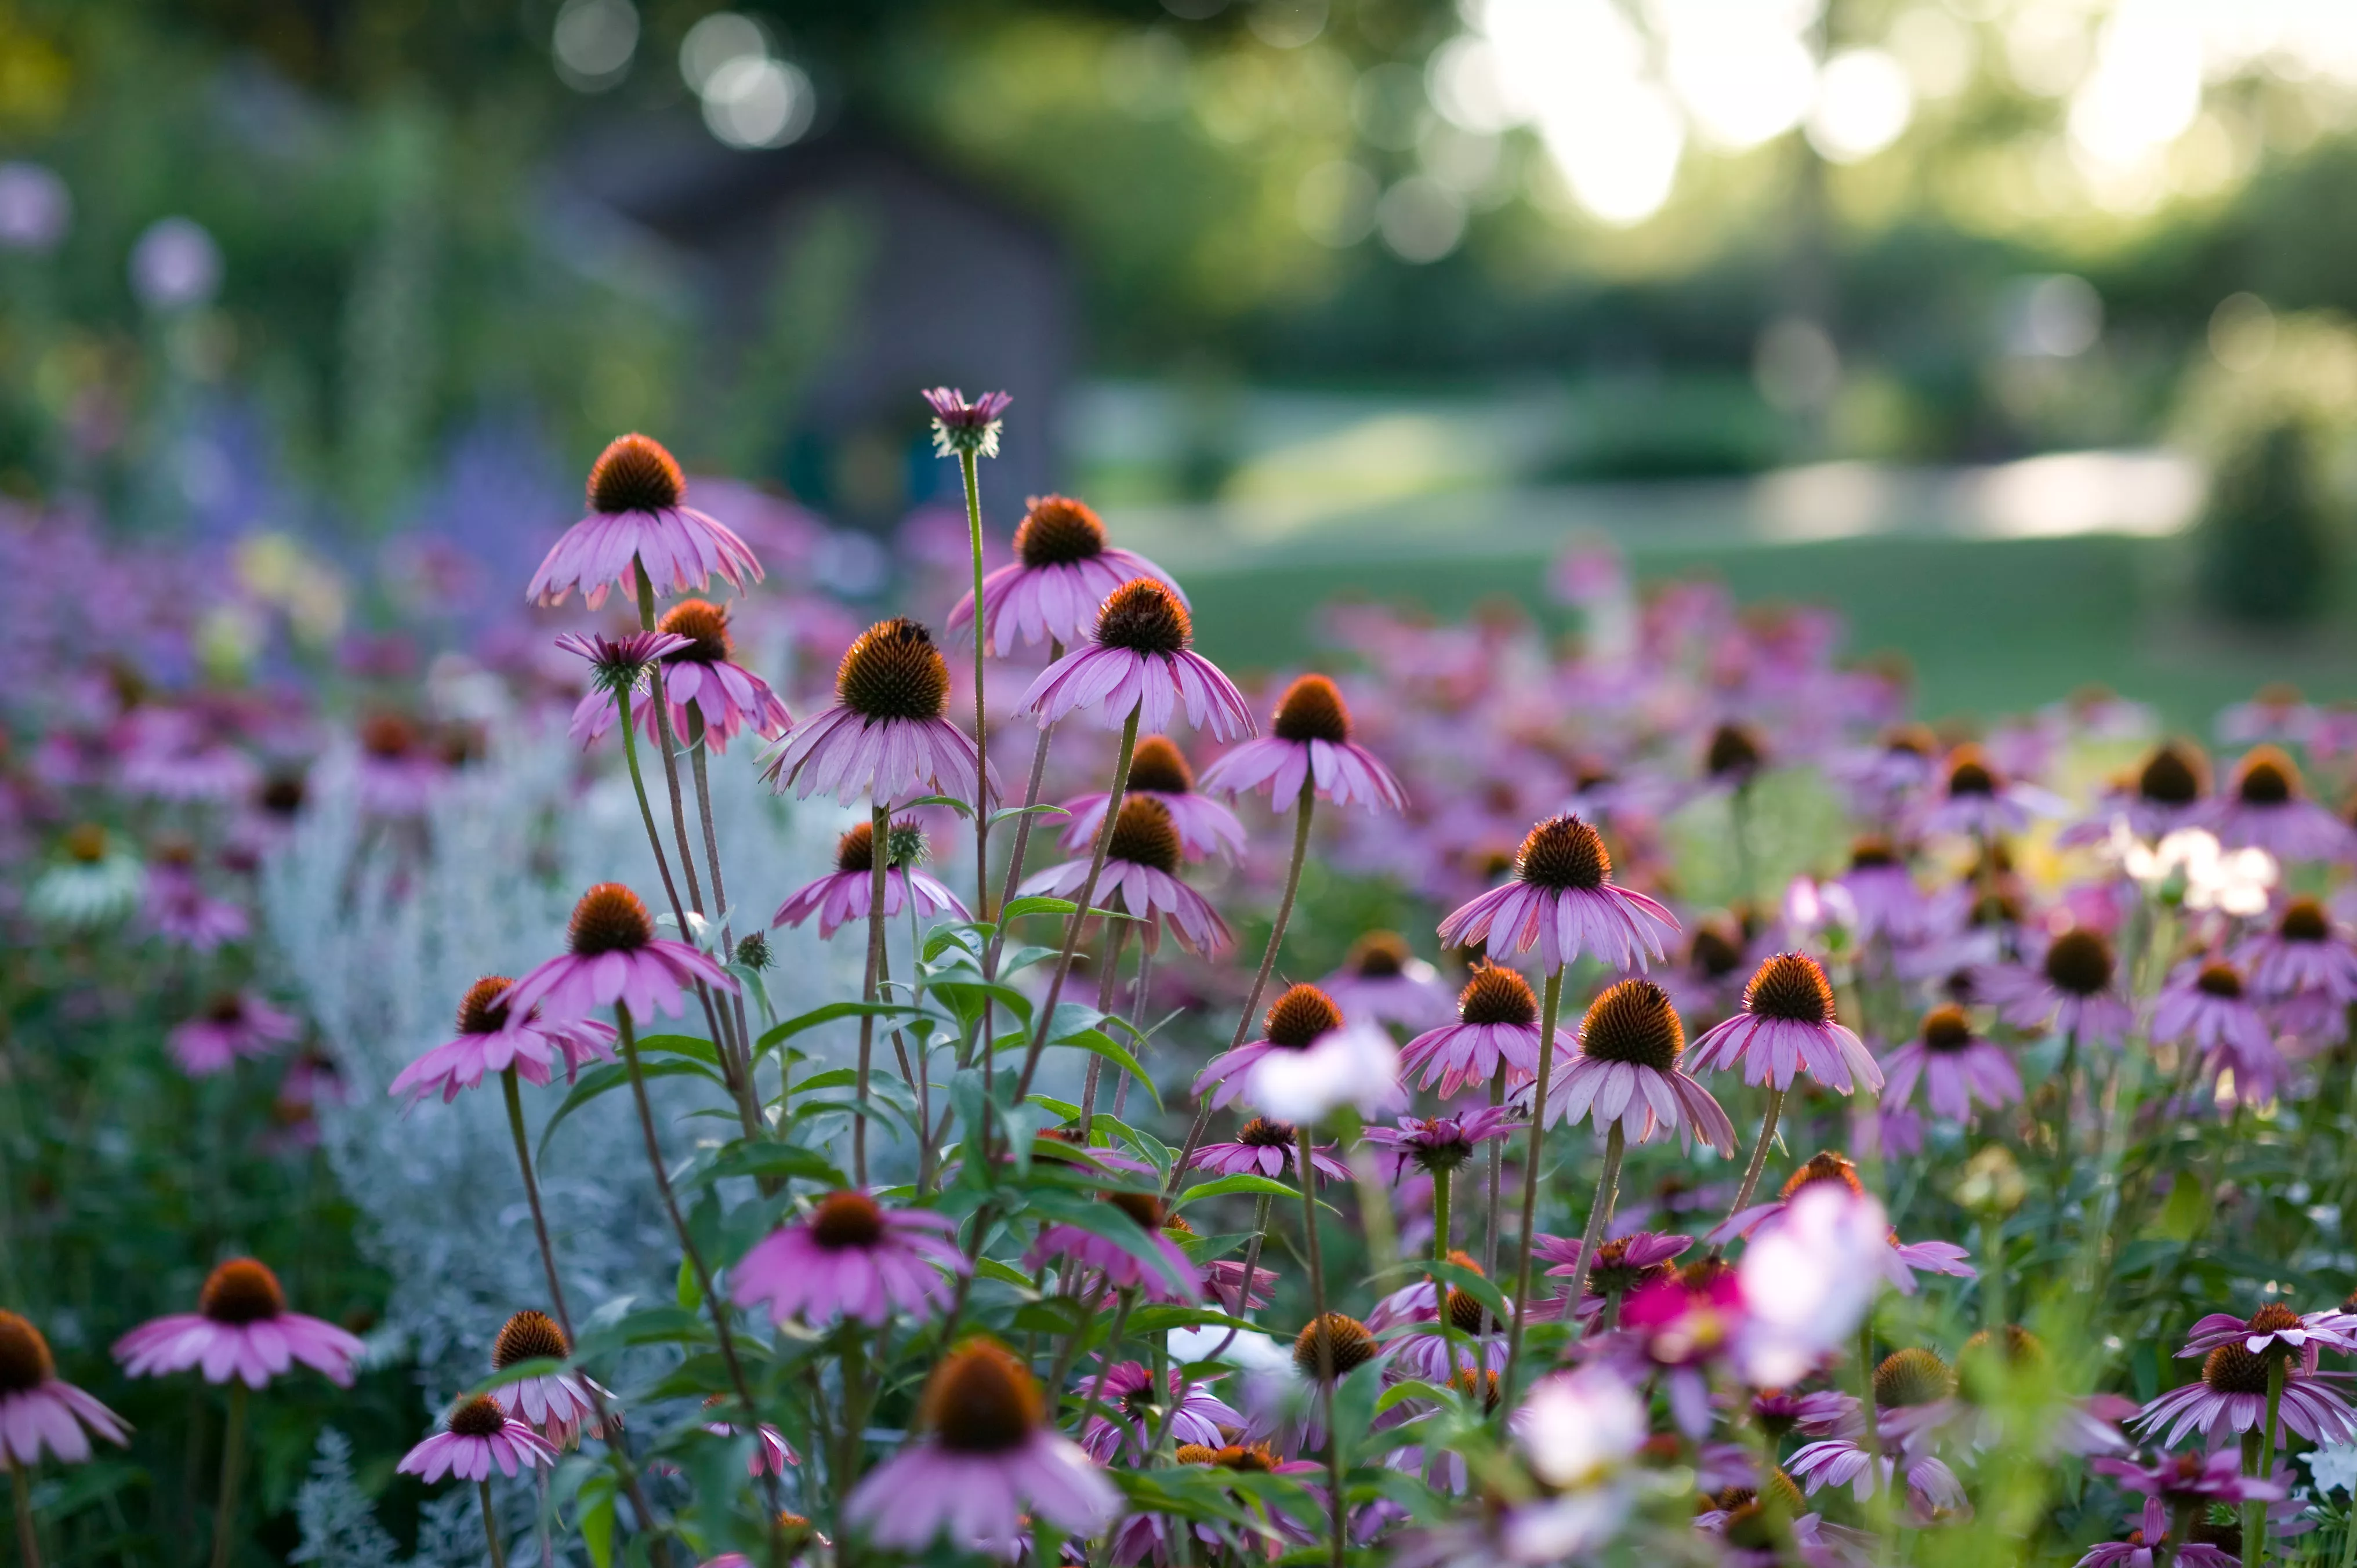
2012,327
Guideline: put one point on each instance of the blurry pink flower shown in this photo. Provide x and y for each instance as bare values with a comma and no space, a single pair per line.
1266,1148
1564,901
1168,1277
1975,799
852,1258
886,735
1356,1064
1138,659
637,515
37,1410
770,1455
2307,951
1956,1067
2263,806
234,1025
241,1328
988,1452
1063,568
1195,1413
2072,985
477,1435
1439,1142
1382,979
492,1037
1294,1021
613,957
1808,1280
1308,743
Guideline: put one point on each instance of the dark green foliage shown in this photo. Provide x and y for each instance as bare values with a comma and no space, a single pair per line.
2267,536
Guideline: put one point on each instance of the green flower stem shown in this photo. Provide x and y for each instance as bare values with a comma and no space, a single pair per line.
1139,989
1079,916
748,1099
712,1300
967,467
28,1541
1497,1177
1992,1275
1114,937
1251,1261
233,1472
1307,1172
2255,1514
1550,1008
1267,963
662,865
1441,1177
1600,1213
1758,1159
492,1527
879,830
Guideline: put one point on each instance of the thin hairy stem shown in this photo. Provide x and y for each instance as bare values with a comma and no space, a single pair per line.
1758,1159
28,1540
878,843
1600,1214
1267,961
1549,1007
1078,916
492,1527
1324,1338
232,1473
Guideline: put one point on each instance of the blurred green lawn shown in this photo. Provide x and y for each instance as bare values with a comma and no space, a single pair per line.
1990,627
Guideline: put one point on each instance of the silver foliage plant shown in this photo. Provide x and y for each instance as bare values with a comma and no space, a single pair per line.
382,929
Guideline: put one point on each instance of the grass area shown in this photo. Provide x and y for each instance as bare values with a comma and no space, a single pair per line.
1990,627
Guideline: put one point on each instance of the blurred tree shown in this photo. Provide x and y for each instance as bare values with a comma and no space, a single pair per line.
2265,533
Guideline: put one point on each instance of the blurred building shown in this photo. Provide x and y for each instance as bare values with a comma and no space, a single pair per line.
833,279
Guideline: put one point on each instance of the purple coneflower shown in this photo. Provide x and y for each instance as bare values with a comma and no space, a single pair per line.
851,1257
962,428
2164,794
844,893
613,956
1563,900
492,1037
1197,1414
1418,1348
1620,1265
636,520
885,733
1497,1029
1140,878
2206,1002
2145,1544
2273,1330
1294,1022
396,774
1627,1070
1911,1388
38,1409
1265,1148
2231,1395
477,1435
1440,1143
1976,799
1309,745
2265,807
1138,660
241,1328
2308,952
233,1024
1063,568
1883,893
1955,1066
558,1405
1122,1266
2072,987
1787,1027
988,1452
176,907
770,1455
699,670
1382,979
1158,771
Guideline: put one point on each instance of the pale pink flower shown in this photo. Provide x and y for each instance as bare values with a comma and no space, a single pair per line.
241,1328
1787,1027
234,1025
1496,1030
1138,660
614,958
1627,1070
1062,571
1308,744
887,735
477,1436
846,894
851,1257
492,1037
38,1409
1563,900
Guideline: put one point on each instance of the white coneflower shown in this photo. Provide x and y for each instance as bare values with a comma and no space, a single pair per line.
97,882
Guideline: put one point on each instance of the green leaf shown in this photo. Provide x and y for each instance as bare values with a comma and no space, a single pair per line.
695,1047
766,1159
1004,812
961,806
1036,904
1226,1185
1156,1319
689,1292
595,1520
992,1269
1102,1220
537,1367
828,1014
1412,1388
599,1081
